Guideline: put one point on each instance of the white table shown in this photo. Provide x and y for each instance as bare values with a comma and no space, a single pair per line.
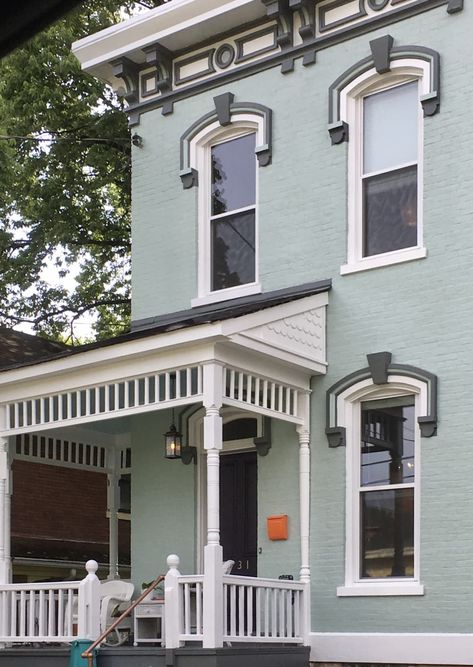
148,623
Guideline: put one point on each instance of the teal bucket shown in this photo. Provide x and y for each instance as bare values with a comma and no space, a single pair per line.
77,648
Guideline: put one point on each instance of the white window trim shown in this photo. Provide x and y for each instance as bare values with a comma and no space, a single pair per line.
348,410
242,123
351,104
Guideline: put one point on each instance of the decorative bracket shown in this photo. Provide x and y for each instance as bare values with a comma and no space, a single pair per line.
128,71
454,6
189,455
161,58
306,11
264,443
280,10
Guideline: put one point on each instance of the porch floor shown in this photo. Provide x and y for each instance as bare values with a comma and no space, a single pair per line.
130,656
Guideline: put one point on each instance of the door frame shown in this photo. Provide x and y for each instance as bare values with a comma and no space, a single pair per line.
196,433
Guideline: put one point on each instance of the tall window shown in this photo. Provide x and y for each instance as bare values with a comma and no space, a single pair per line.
386,488
385,164
389,173
383,486
232,212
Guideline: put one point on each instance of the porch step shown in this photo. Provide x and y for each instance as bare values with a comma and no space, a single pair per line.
249,656
42,656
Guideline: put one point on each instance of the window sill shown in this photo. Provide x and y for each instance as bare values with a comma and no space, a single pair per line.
381,589
386,259
226,294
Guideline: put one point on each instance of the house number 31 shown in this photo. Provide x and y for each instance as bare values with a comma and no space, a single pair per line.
243,565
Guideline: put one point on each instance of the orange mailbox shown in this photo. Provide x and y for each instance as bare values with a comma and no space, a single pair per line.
277,527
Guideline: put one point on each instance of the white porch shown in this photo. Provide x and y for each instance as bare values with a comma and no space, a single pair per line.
259,363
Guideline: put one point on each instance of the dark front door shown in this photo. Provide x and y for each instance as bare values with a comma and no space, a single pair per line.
239,511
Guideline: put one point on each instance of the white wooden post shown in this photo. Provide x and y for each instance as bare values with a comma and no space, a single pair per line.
5,490
113,496
89,603
213,552
172,604
304,500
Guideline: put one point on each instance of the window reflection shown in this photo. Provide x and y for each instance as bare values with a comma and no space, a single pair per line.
387,445
233,196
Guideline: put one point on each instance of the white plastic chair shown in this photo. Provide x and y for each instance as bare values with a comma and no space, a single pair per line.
115,596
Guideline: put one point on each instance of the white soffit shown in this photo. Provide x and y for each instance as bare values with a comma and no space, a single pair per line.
176,25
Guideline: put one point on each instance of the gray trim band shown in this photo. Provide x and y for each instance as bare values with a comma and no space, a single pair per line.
379,369
346,19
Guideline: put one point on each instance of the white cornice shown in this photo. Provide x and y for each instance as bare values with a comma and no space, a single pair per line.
176,25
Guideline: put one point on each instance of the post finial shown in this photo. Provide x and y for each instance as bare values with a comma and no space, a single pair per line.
91,566
173,561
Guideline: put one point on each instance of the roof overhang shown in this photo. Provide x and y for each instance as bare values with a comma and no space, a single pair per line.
176,25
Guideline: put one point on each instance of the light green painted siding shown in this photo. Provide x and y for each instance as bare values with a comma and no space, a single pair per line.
420,311
278,482
162,502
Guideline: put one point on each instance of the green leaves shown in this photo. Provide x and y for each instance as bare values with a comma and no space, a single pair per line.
65,188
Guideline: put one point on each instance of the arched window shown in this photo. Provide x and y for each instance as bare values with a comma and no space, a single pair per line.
380,413
379,105
221,153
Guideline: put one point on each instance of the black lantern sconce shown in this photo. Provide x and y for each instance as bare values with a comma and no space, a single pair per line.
173,447
173,443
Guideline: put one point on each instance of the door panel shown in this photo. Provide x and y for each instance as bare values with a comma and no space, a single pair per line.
238,511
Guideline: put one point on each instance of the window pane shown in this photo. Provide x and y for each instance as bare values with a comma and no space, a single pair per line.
387,533
233,174
390,211
390,122
387,443
240,429
233,250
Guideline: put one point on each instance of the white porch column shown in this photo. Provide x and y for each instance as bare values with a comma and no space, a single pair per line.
113,501
213,553
304,500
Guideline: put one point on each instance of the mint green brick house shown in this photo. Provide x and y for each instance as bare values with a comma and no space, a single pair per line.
302,201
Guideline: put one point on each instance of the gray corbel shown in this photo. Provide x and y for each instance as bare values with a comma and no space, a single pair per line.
428,426
279,10
454,6
336,436
338,132
189,455
430,103
189,178
306,11
263,443
128,71
161,58
381,53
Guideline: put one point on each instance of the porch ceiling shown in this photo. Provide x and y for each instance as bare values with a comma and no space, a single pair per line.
267,358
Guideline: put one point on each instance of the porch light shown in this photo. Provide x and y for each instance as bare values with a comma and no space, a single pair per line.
173,443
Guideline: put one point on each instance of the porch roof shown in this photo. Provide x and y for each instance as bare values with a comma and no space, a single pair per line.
43,351
266,349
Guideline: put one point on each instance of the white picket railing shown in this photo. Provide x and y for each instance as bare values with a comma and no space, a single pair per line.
191,593
50,612
262,610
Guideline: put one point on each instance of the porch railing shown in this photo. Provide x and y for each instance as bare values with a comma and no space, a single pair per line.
262,610
191,593
50,612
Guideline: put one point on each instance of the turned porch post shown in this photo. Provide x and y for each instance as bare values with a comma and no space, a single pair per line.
304,500
213,552
113,496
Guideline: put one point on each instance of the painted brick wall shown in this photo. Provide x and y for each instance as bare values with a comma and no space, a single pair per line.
420,311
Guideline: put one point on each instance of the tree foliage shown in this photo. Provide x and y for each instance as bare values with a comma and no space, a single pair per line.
64,184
